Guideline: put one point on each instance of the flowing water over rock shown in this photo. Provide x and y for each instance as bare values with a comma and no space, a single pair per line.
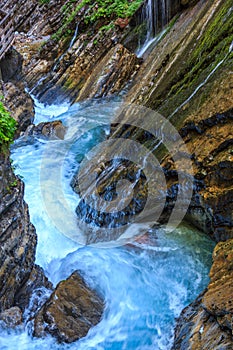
156,15
145,284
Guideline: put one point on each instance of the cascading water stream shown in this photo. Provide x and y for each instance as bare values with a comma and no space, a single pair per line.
203,82
155,15
145,285
70,46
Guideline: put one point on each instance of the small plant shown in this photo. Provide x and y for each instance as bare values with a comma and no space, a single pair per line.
7,128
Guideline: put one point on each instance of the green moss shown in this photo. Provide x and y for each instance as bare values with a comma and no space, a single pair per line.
44,2
107,27
199,60
211,49
7,129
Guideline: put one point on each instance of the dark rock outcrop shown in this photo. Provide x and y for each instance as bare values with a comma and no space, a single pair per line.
17,236
70,312
37,285
16,99
19,104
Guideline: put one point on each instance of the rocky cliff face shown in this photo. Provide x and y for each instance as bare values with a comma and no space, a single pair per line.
207,323
12,88
62,53
17,236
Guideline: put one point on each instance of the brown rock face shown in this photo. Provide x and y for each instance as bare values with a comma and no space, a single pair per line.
19,104
111,74
37,285
198,330
207,323
210,141
70,312
217,300
122,22
17,236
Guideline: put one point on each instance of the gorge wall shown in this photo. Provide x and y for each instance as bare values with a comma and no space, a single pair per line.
187,78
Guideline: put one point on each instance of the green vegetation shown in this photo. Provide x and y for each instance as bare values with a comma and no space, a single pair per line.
99,9
7,128
211,49
44,1
112,8
201,56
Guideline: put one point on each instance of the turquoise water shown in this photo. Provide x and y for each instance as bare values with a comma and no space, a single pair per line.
145,284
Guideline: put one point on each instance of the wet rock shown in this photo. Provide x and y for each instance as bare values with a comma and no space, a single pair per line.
17,236
122,22
217,301
70,312
207,322
19,103
111,74
49,130
12,317
11,65
34,291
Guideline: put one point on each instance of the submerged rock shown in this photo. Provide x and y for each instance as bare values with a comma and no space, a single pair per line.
70,312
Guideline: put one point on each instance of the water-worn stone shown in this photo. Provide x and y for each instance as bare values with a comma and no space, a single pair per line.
12,317
49,130
207,322
70,312
198,330
217,301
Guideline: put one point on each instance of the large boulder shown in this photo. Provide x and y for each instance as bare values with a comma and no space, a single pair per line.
11,317
70,312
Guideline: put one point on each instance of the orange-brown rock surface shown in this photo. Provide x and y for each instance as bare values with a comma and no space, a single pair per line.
70,312
207,323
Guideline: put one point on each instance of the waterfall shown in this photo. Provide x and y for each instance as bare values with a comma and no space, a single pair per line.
74,36
156,15
57,63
